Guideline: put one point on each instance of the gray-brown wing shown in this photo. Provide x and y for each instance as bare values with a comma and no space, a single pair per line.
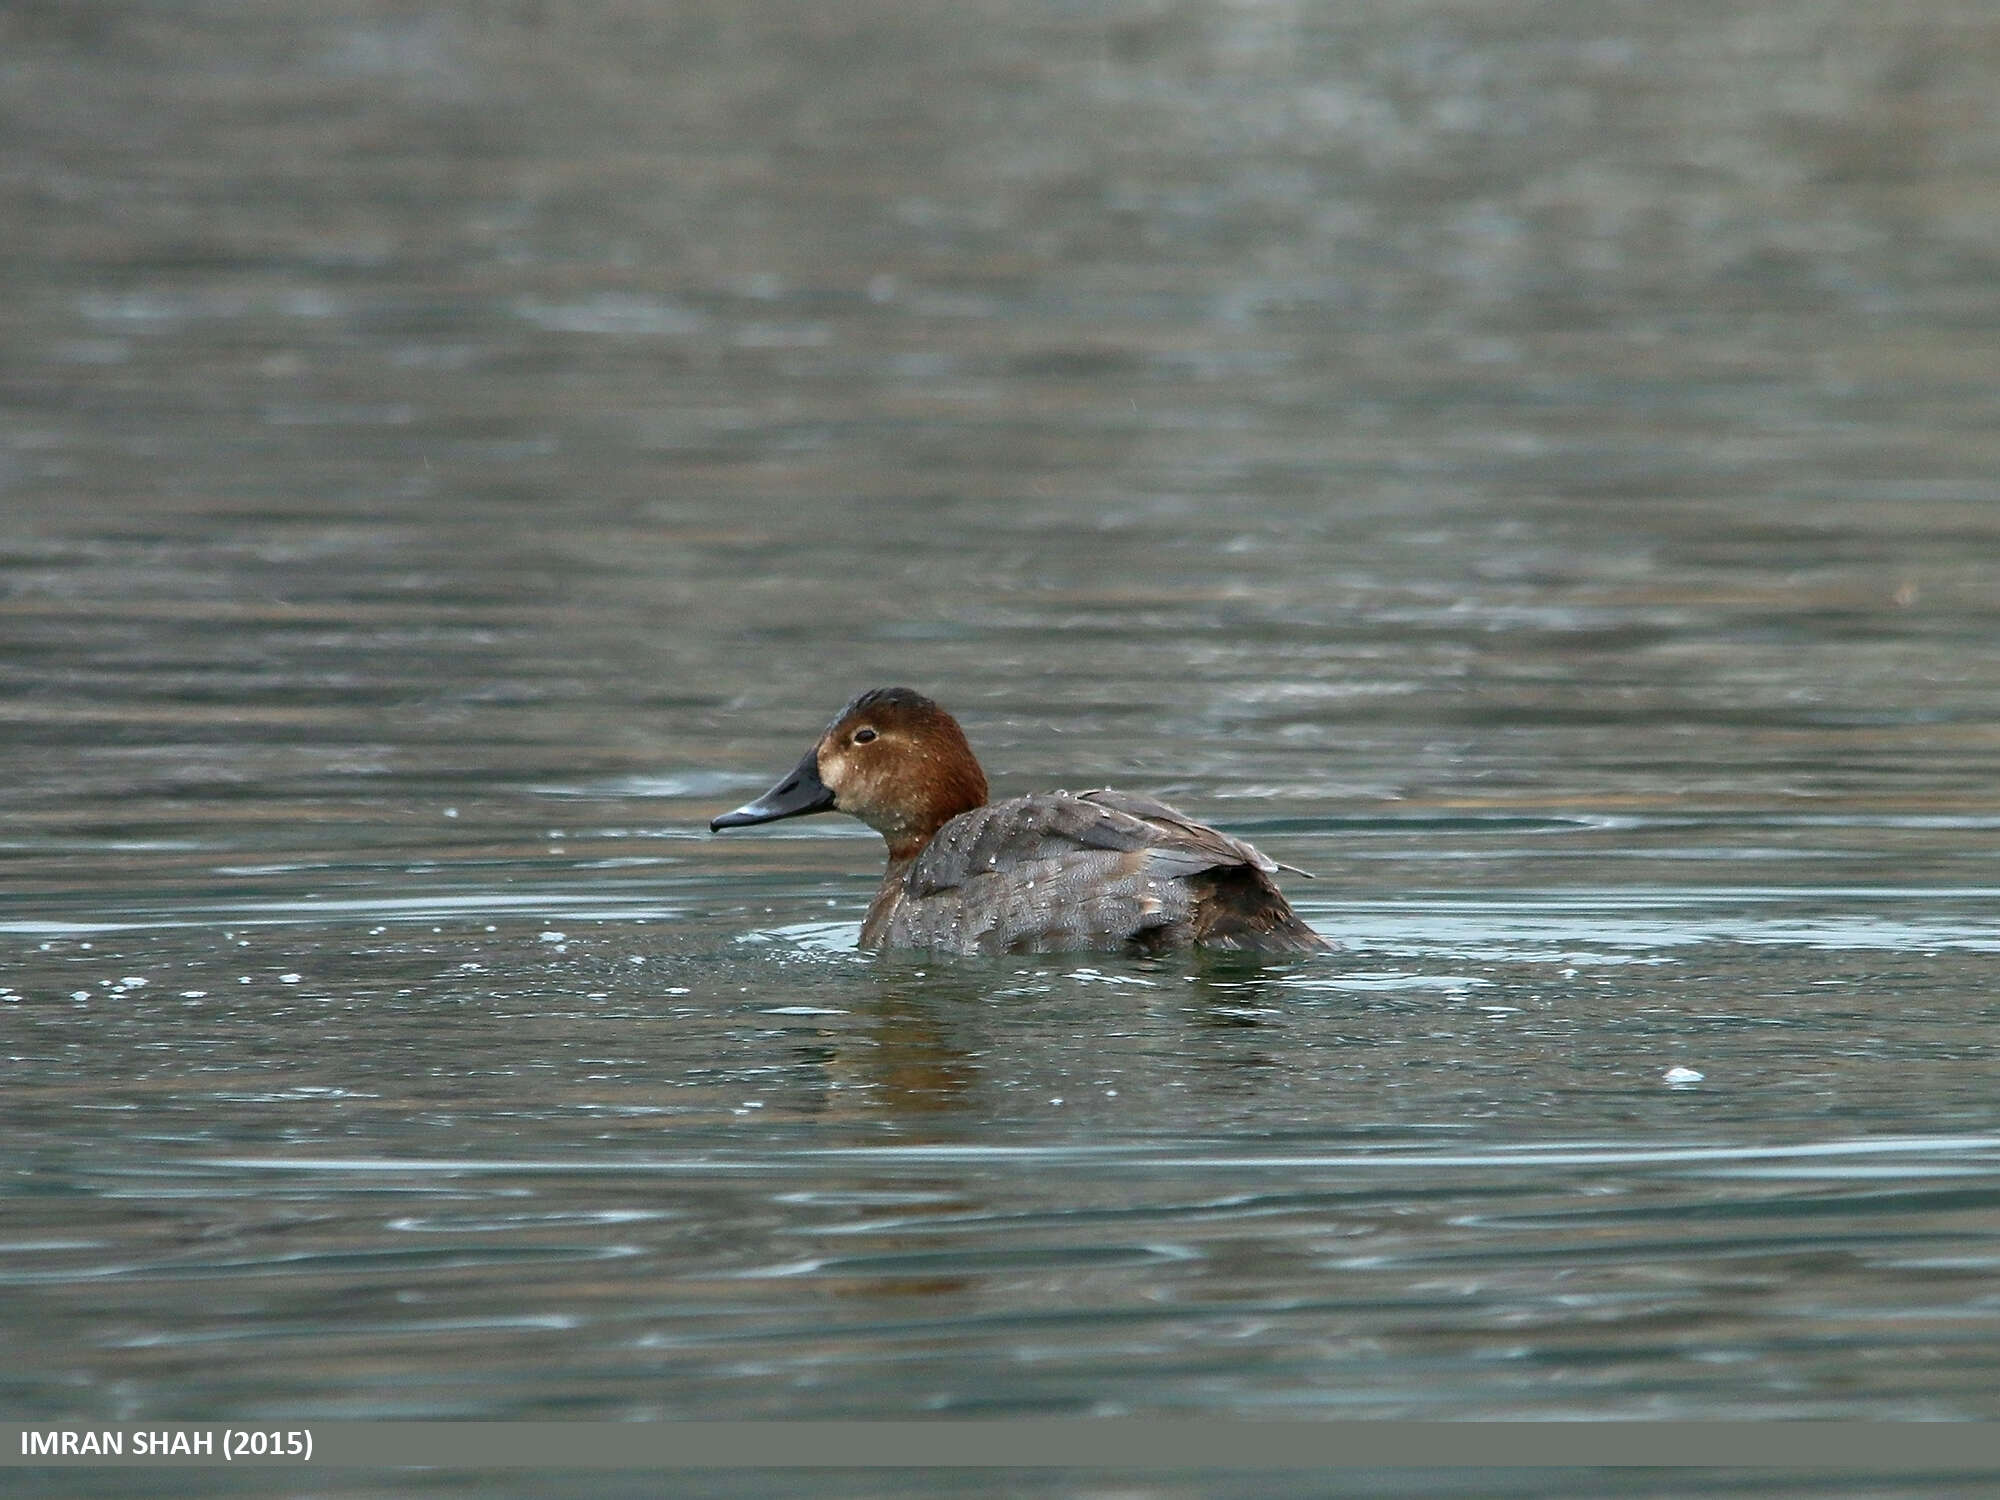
1186,840
1005,836
1071,901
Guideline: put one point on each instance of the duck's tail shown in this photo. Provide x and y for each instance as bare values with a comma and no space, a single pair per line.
1237,907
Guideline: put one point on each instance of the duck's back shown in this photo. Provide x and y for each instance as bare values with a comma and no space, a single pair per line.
1060,872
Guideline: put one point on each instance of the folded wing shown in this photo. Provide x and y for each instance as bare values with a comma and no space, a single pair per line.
1058,871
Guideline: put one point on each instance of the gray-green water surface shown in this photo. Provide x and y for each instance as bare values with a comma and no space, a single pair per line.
1530,465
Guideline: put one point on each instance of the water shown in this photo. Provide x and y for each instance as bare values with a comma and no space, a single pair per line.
1530,465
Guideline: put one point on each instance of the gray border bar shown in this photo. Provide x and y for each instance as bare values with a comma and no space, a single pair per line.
1142,1443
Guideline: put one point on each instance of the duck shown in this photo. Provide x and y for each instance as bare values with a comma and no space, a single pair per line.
1050,872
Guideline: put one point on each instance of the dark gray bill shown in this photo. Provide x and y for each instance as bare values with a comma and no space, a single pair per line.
800,793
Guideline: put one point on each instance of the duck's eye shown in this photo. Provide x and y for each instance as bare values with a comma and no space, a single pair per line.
863,736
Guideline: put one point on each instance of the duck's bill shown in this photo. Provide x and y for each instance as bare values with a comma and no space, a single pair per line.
800,793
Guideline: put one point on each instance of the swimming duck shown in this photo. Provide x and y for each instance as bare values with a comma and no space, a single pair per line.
1047,873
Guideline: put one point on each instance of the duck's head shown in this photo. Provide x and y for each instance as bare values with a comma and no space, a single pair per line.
893,759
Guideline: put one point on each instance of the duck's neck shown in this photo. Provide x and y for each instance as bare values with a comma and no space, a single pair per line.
957,792
907,842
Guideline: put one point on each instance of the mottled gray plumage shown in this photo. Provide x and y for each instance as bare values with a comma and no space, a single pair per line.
1059,872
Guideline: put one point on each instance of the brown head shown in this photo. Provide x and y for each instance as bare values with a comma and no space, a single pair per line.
893,759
